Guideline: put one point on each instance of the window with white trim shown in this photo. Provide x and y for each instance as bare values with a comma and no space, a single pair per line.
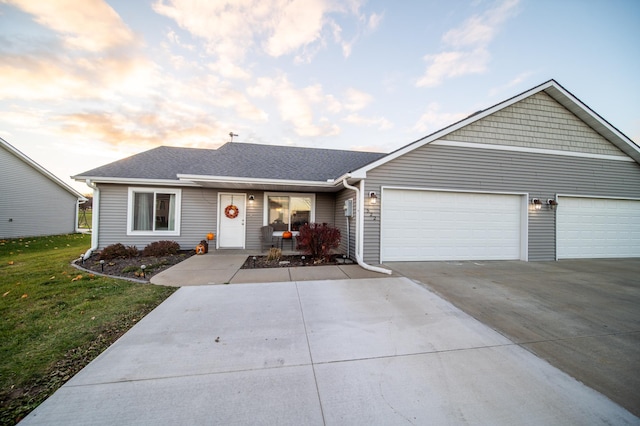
288,212
153,211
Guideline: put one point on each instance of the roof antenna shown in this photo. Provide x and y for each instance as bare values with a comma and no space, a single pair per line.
231,135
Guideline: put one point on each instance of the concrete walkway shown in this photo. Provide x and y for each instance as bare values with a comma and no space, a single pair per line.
225,269
357,352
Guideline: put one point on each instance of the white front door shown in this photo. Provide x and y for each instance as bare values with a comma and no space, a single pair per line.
232,217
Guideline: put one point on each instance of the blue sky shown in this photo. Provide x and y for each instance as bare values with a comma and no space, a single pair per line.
86,83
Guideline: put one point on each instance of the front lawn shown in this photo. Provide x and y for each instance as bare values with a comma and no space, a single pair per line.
55,319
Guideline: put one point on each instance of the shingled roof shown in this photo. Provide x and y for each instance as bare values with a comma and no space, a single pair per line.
242,160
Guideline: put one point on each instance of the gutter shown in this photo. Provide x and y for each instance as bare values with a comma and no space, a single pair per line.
359,236
95,220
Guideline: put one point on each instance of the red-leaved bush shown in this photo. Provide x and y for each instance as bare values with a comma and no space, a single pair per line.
317,240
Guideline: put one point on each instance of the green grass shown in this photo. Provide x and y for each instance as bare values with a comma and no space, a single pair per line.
54,318
84,219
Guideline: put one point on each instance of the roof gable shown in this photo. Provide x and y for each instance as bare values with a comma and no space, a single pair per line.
599,128
38,168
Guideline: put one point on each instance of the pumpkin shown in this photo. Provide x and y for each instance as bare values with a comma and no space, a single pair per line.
211,236
200,249
287,235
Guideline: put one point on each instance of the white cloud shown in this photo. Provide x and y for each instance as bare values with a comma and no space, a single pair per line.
433,119
299,23
356,100
231,29
374,21
514,82
452,64
470,41
296,106
380,123
90,25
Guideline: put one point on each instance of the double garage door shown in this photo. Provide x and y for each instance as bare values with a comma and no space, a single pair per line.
597,228
419,225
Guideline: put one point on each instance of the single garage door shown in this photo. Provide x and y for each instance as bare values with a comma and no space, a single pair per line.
597,228
421,225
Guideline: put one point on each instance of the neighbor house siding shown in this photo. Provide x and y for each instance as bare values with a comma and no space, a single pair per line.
469,169
31,204
198,217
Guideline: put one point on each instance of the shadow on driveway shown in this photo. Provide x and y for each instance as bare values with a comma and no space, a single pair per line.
583,316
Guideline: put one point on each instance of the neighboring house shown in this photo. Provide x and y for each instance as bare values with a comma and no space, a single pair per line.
33,201
539,176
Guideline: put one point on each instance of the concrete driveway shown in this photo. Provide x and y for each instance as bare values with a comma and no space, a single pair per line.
583,316
342,352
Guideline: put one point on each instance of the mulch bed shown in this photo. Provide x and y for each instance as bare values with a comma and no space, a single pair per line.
130,267
255,262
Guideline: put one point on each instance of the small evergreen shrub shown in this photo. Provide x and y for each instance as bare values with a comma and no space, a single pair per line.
318,240
118,250
161,248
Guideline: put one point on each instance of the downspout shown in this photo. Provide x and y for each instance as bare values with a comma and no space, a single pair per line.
95,219
359,239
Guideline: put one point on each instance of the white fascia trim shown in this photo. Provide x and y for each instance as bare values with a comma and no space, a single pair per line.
444,142
600,197
134,181
464,191
16,152
577,107
241,180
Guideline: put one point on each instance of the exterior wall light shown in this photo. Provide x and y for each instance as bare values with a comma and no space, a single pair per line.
552,203
536,203
251,199
373,197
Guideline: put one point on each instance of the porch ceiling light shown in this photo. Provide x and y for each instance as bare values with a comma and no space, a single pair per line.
373,197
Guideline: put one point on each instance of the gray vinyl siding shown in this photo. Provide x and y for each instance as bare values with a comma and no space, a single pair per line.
341,222
31,204
255,221
198,217
325,208
540,175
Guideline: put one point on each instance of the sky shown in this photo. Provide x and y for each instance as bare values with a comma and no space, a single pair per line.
85,83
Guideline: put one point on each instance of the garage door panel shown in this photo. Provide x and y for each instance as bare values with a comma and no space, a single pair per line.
596,227
449,226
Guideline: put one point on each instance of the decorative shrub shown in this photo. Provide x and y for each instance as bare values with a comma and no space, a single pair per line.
161,248
317,240
118,250
274,253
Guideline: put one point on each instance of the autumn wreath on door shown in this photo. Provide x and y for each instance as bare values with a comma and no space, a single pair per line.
231,211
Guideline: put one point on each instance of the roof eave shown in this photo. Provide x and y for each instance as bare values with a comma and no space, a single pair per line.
260,183
131,181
